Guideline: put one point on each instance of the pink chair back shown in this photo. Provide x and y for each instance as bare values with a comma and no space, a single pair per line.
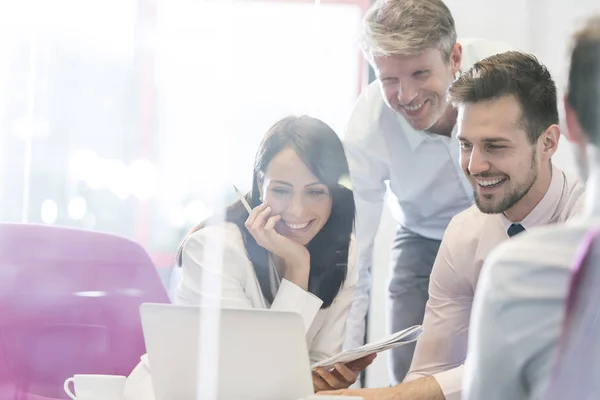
69,304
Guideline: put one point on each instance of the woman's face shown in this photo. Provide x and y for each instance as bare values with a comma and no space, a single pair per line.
291,190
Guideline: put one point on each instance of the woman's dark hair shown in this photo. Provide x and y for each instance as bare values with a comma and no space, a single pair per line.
321,150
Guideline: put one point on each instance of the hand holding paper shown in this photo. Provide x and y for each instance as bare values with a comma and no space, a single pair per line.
342,375
400,338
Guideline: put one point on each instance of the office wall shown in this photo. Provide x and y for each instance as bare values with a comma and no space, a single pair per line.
538,26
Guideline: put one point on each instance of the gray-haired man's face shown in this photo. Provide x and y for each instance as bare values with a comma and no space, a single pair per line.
415,85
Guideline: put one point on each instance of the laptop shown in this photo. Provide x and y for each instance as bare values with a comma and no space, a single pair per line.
225,354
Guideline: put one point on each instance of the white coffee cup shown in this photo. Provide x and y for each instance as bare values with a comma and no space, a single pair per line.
96,387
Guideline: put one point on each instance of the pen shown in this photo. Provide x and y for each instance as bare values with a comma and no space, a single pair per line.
242,199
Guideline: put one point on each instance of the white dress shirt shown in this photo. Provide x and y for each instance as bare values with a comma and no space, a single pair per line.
519,309
421,171
470,237
217,272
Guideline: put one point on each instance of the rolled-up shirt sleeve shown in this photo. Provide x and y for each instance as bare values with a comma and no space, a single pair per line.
369,191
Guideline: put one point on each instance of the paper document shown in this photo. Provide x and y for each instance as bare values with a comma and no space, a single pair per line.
400,338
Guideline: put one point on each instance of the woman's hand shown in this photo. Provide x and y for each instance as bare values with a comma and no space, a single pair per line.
261,225
342,376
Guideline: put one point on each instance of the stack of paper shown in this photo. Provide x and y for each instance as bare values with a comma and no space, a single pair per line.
408,335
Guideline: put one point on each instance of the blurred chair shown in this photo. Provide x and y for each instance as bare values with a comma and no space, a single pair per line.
69,304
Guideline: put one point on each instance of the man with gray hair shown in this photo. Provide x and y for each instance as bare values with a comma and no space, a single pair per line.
400,138
523,305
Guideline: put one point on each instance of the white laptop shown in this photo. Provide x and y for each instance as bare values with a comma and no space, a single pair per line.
228,354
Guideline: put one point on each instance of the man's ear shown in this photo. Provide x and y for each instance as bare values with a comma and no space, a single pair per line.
549,141
456,58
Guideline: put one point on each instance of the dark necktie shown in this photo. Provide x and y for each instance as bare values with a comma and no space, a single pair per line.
515,229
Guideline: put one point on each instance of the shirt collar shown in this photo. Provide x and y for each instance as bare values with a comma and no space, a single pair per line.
415,138
544,210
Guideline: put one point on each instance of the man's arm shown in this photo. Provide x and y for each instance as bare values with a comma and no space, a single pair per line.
442,348
367,175
422,389
489,351
365,152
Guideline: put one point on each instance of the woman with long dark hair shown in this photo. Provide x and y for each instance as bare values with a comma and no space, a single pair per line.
294,251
